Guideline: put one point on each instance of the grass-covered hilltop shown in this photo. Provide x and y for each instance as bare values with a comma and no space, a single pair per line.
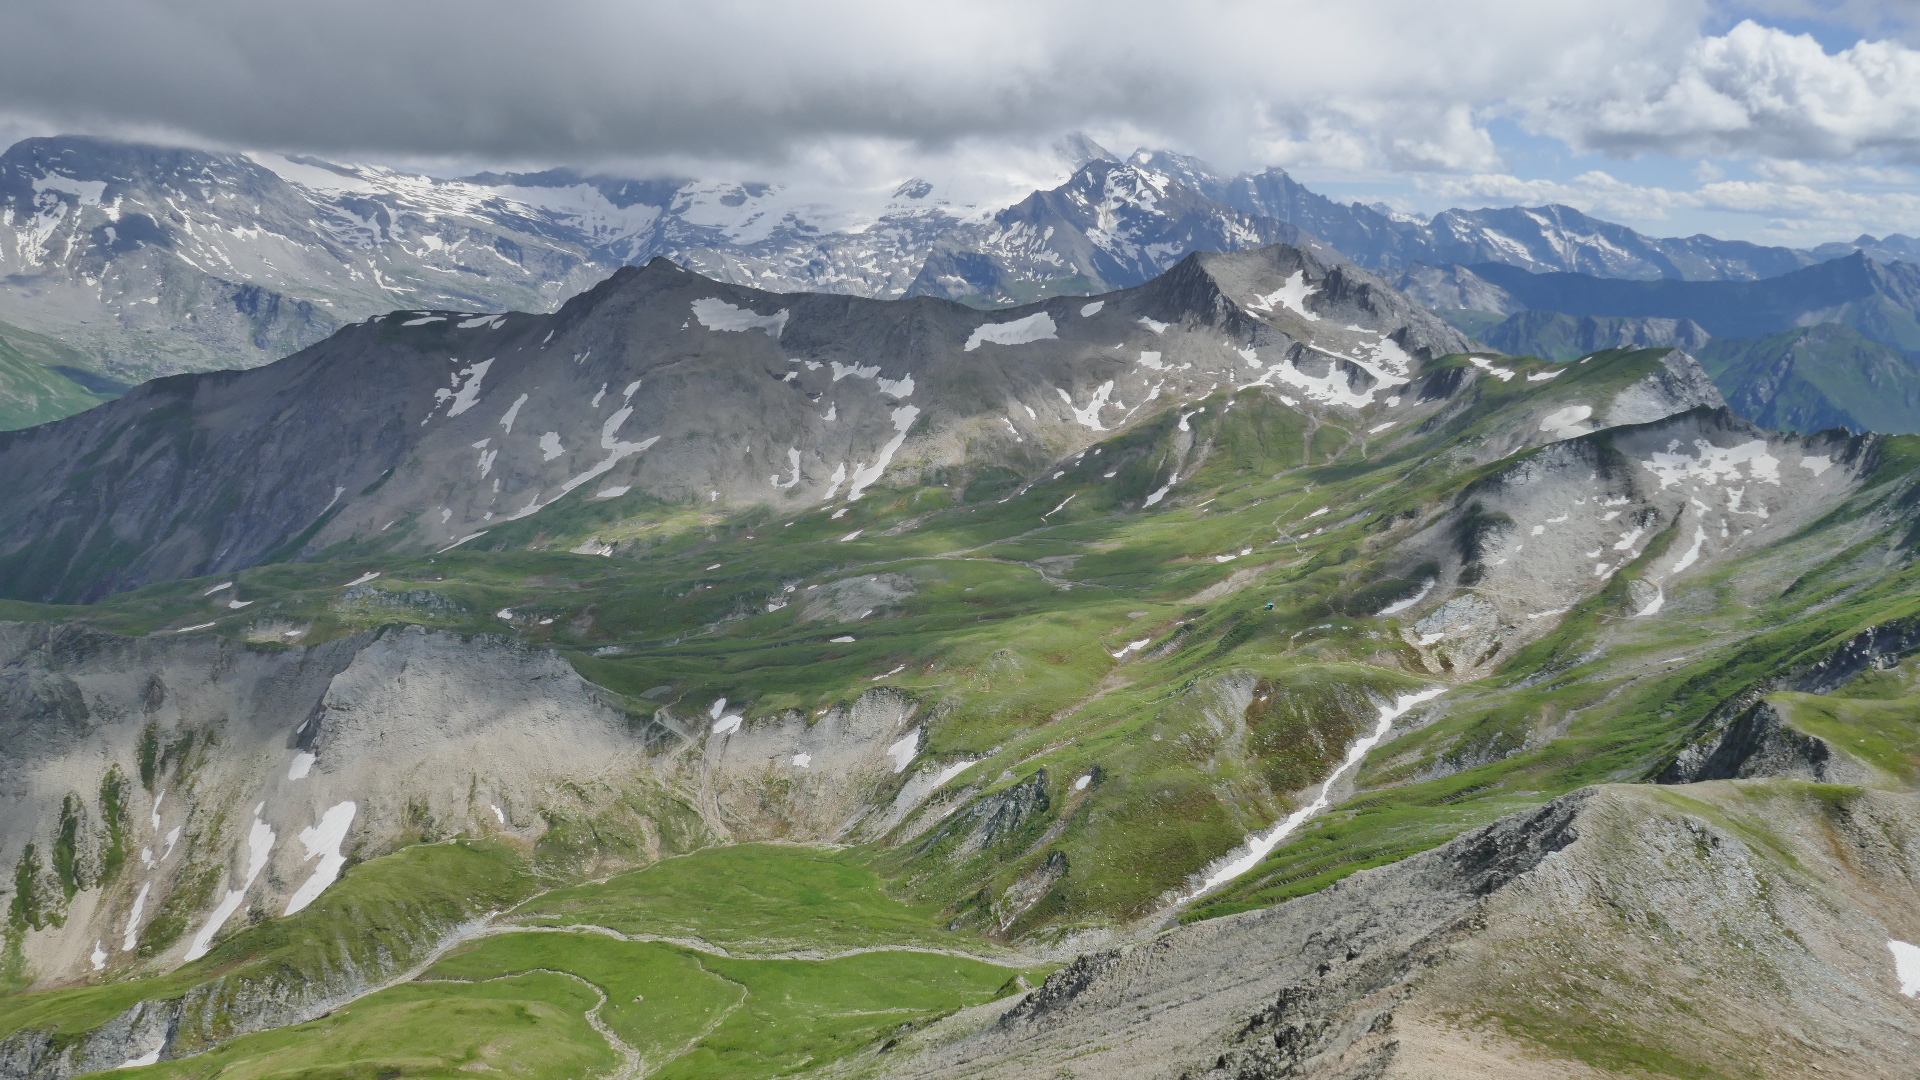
1235,676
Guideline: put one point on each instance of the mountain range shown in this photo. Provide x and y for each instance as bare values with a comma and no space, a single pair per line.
1238,674
152,260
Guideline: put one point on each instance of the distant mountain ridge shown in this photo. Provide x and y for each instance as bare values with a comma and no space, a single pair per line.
1559,336
423,432
1816,377
154,260
1880,300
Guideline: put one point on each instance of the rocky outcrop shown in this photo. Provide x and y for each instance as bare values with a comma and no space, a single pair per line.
1679,384
192,766
1487,956
1746,736
1536,536
1760,743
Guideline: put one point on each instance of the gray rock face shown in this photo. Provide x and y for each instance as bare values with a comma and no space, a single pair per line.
1404,971
1760,743
233,761
416,432
1534,538
226,753
1747,737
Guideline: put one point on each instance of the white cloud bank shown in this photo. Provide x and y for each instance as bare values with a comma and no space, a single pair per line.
1755,90
853,92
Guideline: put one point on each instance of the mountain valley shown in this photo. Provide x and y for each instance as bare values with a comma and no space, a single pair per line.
1235,673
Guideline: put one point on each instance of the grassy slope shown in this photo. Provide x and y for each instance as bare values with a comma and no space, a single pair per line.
751,898
1875,718
33,393
1816,377
380,909
519,1002
1018,607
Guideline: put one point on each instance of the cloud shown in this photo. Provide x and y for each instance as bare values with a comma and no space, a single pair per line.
1594,192
1391,83
1790,206
1754,90
862,93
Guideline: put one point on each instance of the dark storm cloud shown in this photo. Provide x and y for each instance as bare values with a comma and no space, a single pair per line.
547,79
1391,80
1401,83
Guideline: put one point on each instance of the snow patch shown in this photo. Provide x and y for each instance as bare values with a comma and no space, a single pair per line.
132,935
902,752
793,459
1387,366
1401,605
866,475
465,391
727,724
1258,846
1712,464
940,778
84,192
1654,605
1292,295
513,410
1692,554
717,314
302,765
1490,368
259,845
1036,327
323,842
1816,463
1090,416
1088,311
1568,422
1906,965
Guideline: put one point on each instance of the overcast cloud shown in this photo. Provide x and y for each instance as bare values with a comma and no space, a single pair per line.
1381,87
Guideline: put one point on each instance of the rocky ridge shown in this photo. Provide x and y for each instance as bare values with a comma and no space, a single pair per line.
418,431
